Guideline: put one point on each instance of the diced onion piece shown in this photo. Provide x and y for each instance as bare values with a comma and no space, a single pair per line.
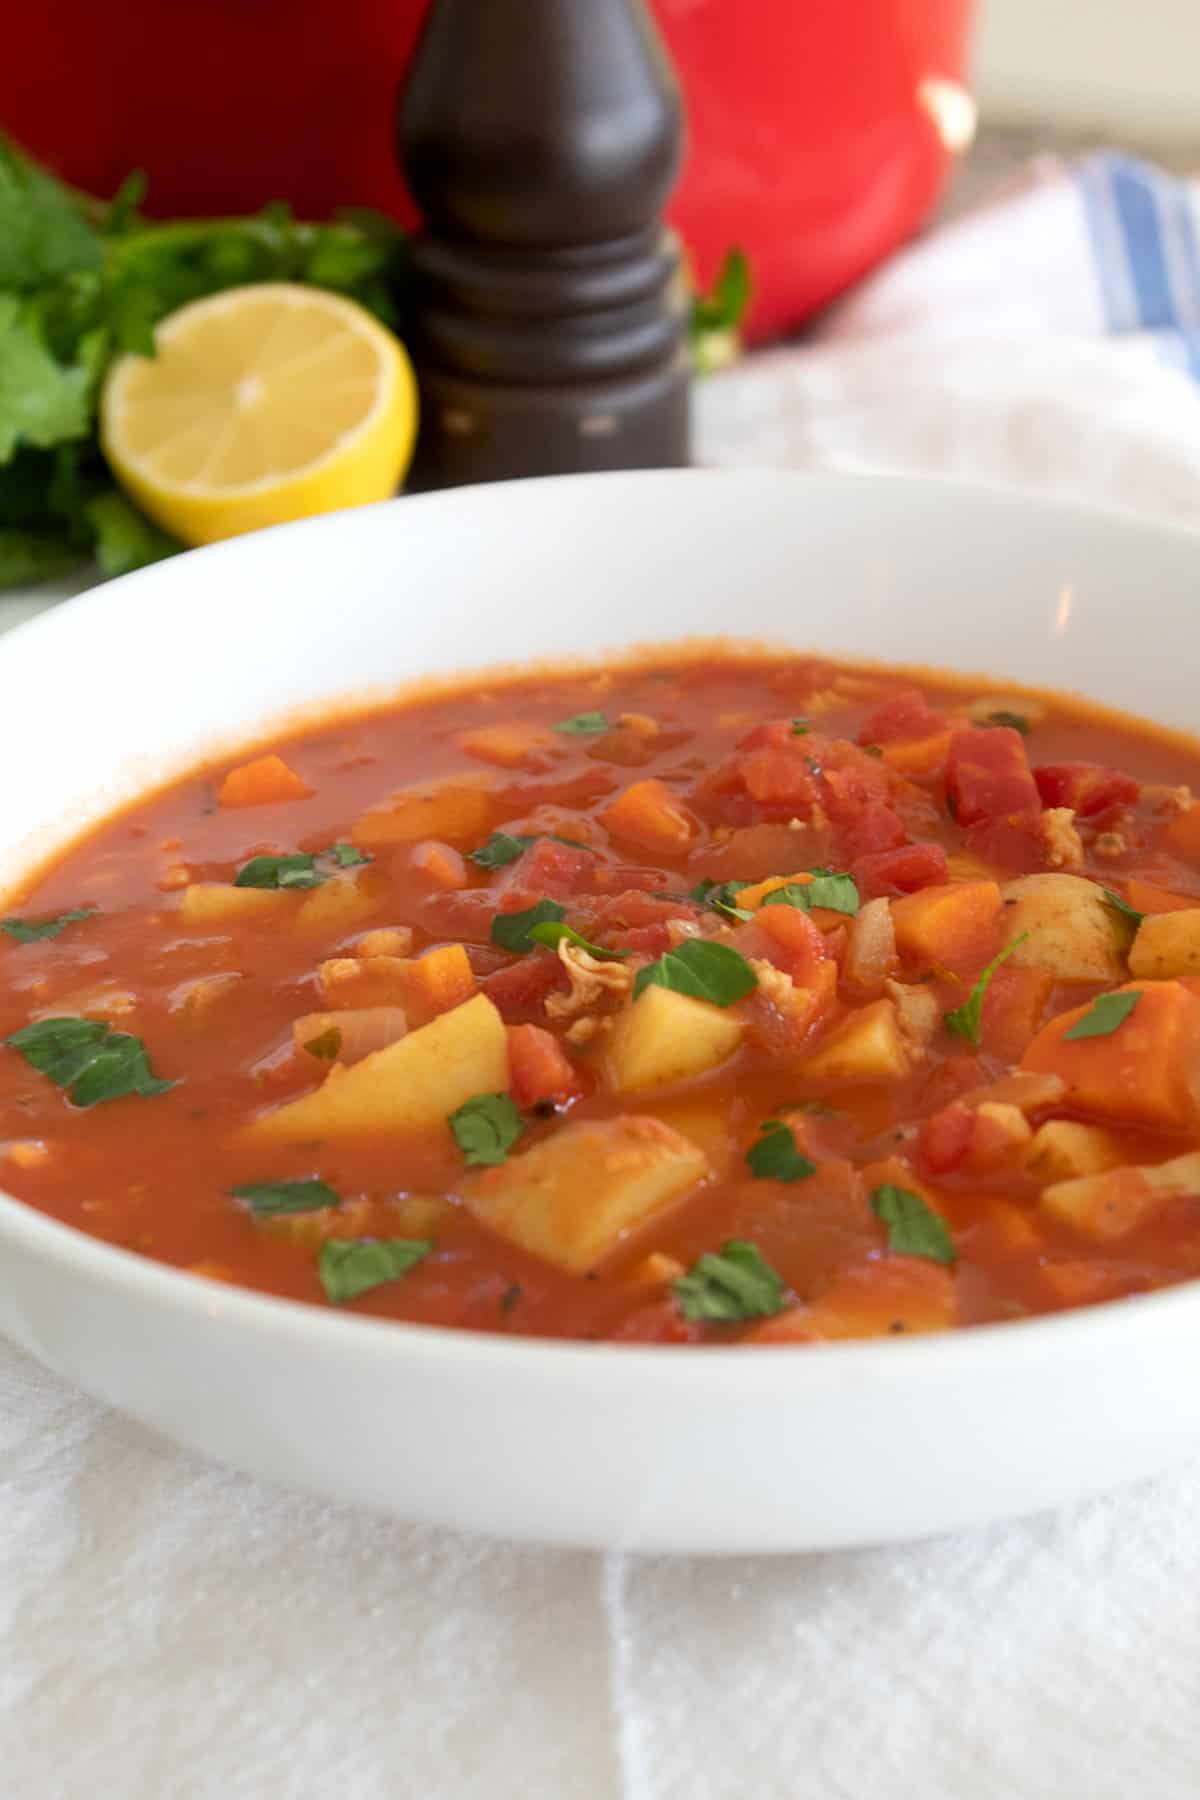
361,1031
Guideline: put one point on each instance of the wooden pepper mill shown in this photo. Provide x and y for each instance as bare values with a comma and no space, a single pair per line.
540,139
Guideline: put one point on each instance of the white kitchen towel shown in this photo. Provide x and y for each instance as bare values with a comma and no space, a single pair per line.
170,1631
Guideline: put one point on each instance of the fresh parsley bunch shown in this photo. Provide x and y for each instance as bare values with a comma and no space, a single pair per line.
82,280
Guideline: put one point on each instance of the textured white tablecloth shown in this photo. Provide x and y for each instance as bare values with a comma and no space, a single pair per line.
169,1631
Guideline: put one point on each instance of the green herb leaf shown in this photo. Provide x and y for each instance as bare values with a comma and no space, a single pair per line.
913,1228
326,1044
511,930
875,750
294,871
706,971
298,870
41,401
589,724
349,1267
125,538
1014,721
775,1156
721,897
966,1020
1103,1016
89,1059
272,1199
43,233
27,931
509,1297
801,727
716,317
1123,907
838,893
486,1127
504,847
730,1284
553,931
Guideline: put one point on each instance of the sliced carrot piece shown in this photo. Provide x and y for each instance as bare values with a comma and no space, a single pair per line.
266,781
649,814
948,926
1144,1072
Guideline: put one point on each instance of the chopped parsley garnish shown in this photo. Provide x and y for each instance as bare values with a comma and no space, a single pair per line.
875,750
801,727
913,1228
775,1156
485,1128
297,870
721,897
966,1020
837,893
89,1059
28,931
504,847
704,970
552,931
589,724
271,1199
1103,1016
511,930
1015,721
352,1266
327,1044
509,1297
1123,907
732,1283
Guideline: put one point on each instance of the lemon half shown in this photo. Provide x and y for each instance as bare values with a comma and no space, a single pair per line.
263,404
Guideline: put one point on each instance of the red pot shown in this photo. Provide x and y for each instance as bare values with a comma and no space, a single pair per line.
811,143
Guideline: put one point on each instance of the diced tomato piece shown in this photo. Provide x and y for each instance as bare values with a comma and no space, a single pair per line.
549,871
649,940
623,911
779,777
794,943
1086,788
1015,845
906,717
869,832
616,878
659,1323
520,990
778,734
900,871
1013,1009
988,775
946,1136
540,1071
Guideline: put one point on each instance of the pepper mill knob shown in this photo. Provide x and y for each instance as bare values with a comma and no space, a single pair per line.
540,139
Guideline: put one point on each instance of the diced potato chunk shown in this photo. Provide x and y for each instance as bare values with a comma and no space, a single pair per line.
1145,1072
868,1046
947,925
219,904
1024,1090
387,940
576,1195
890,1296
1167,944
1073,931
461,812
1063,1149
338,905
664,1036
703,1122
411,1086
1116,1202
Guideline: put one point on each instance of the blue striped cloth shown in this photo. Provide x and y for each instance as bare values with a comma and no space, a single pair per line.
1143,231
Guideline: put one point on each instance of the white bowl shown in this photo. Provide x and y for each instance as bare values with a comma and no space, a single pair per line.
696,1450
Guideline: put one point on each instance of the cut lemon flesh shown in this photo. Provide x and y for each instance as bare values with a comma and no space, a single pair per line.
262,404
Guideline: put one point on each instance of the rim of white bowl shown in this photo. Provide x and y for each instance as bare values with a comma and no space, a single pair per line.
57,1242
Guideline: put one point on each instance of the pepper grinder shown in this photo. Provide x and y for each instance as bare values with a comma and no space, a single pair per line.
541,138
